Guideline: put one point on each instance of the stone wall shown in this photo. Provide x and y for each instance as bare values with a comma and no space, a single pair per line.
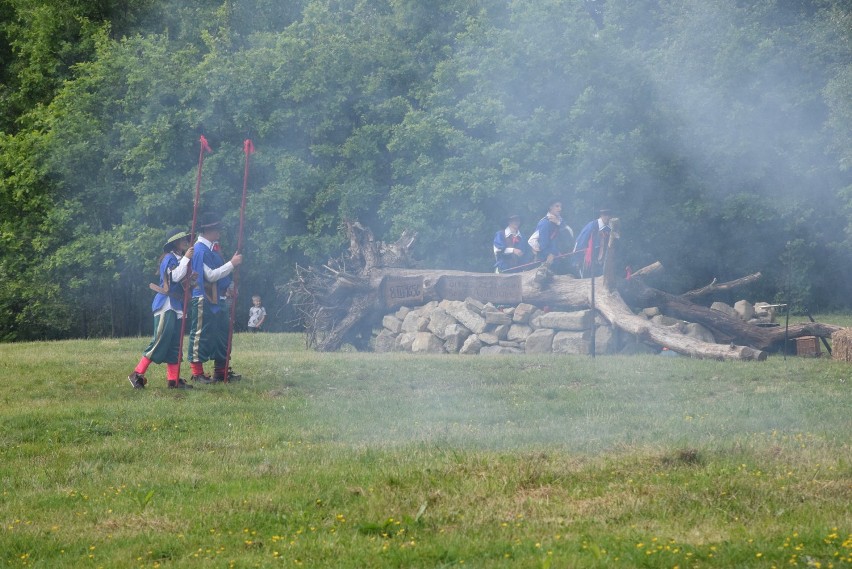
470,327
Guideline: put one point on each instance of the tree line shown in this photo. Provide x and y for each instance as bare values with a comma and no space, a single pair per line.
719,132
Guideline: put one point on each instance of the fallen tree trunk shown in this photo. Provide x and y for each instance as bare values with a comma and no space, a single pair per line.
725,328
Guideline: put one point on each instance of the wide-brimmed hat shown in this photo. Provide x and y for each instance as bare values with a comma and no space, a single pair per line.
208,220
173,236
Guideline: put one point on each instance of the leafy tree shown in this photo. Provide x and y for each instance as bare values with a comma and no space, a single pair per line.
719,132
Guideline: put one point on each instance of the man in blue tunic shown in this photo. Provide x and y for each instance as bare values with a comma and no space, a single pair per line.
167,309
209,314
509,246
544,241
592,241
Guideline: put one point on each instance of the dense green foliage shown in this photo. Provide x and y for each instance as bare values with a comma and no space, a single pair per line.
353,460
719,131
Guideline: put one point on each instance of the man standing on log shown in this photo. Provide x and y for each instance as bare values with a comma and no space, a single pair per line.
509,247
544,242
208,316
593,239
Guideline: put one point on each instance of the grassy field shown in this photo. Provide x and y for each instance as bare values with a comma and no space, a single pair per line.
360,460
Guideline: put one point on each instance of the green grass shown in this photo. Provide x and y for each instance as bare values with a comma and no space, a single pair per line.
361,460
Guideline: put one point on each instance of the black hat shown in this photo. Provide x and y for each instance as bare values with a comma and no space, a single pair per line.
173,236
513,218
605,211
208,220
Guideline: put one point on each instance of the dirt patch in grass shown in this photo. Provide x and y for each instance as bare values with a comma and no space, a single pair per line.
683,457
132,524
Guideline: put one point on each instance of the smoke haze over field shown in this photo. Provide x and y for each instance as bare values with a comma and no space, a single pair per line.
575,404
745,161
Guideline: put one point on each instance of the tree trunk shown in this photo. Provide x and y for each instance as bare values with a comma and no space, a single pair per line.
725,328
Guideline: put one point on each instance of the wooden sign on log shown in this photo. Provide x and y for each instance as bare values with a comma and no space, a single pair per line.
402,291
499,289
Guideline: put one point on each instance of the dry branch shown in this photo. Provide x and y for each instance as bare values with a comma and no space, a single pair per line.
645,271
717,287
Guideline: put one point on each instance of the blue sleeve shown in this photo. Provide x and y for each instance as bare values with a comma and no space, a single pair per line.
198,268
543,229
160,298
170,263
586,234
499,241
214,260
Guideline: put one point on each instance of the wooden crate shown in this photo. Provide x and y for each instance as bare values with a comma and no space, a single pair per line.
807,346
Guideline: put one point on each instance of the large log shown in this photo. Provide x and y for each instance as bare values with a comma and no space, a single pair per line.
725,328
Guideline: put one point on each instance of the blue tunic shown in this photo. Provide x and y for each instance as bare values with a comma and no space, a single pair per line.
548,231
204,255
591,233
502,241
169,263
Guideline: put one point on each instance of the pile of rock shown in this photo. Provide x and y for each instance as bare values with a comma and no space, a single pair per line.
471,327
691,329
759,313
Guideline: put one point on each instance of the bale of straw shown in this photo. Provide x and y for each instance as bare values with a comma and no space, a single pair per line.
841,345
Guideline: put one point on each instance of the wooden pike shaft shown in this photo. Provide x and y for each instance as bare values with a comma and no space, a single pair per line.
248,148
188,280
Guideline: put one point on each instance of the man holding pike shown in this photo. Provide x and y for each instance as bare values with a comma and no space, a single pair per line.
544,241
208,315
167,308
